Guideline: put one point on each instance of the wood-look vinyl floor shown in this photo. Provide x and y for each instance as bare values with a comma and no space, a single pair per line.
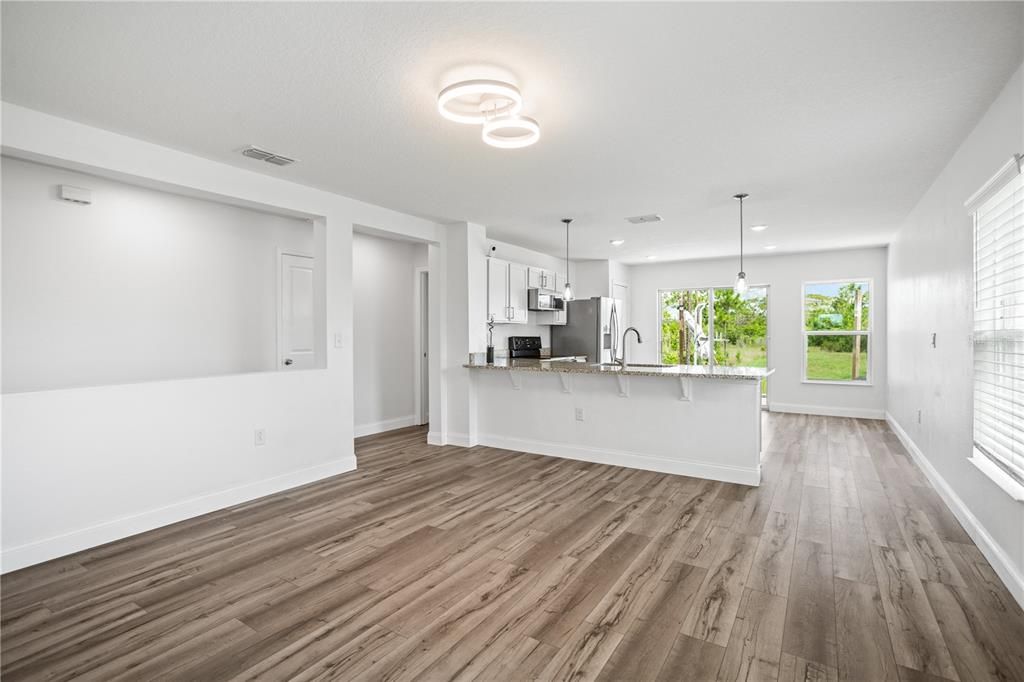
480,564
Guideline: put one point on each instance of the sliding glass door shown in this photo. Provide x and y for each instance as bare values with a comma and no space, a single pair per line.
686,327
715,326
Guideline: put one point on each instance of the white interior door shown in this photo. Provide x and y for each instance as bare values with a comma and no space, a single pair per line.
295,317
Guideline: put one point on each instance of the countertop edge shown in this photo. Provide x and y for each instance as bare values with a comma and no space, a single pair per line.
583,368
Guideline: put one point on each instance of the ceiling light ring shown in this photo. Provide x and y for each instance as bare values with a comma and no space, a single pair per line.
486,91
524,123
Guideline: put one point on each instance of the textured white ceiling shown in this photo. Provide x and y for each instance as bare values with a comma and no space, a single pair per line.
834,116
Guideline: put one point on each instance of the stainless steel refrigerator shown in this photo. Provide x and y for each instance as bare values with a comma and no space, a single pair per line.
591,329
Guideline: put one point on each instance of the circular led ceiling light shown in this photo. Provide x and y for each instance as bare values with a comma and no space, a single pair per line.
478,101
511,132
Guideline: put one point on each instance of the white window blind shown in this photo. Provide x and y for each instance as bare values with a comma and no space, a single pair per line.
998,210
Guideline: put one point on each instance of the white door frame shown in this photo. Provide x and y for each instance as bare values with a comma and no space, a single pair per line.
421,274
278,350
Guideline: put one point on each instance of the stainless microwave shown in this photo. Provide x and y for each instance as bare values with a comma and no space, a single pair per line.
538,299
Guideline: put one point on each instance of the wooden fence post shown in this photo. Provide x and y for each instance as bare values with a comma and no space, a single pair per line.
858,307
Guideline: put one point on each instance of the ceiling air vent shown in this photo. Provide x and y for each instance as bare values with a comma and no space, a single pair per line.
269,157
279,160
649,218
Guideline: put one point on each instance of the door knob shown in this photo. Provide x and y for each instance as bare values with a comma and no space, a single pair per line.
288,361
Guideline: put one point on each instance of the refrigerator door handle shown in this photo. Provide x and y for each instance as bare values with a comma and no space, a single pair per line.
615,332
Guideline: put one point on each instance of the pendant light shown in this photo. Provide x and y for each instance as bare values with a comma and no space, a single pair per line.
567,294
740,287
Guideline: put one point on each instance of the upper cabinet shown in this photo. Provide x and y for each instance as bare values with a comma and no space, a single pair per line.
539,278
518,297
559,282
508,296
497,290
506,292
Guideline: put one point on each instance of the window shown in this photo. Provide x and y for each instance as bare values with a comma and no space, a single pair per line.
998,211
837,331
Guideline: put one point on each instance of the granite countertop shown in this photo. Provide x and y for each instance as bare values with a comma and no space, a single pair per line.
581,366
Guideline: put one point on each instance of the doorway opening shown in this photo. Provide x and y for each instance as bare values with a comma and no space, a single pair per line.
422,344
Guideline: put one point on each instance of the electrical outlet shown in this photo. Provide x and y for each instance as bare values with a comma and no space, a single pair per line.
580,415
260,437
920,413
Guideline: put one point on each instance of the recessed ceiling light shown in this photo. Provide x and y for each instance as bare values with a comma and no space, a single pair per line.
477,101
759,228
770,247
651,257
617,242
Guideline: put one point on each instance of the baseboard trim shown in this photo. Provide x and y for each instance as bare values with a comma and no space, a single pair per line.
1001,563
630,460
385,425
825,411
51,548
459,439
434,438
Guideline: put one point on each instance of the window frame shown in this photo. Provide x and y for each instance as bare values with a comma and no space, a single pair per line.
869,332
987,463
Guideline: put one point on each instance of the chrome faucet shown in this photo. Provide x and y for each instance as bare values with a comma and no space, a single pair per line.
622,361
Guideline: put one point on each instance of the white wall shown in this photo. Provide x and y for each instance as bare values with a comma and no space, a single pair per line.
591,278
784,275
141,285
931,289
605,278
89,465
383,340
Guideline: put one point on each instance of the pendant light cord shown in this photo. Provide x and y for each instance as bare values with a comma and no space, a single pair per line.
567,221
741,196
741,234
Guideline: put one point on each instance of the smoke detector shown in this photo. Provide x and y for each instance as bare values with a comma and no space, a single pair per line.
264,155
640,219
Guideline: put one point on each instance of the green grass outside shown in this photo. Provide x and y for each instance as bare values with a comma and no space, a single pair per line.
824,365
746,356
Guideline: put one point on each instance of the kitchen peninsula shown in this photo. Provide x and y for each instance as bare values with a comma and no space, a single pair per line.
679,419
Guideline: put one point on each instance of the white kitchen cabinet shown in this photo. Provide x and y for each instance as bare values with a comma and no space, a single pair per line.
506,292
518,298
559,280
539,278
497,290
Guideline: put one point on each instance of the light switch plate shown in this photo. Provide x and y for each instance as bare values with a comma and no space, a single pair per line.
337,340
